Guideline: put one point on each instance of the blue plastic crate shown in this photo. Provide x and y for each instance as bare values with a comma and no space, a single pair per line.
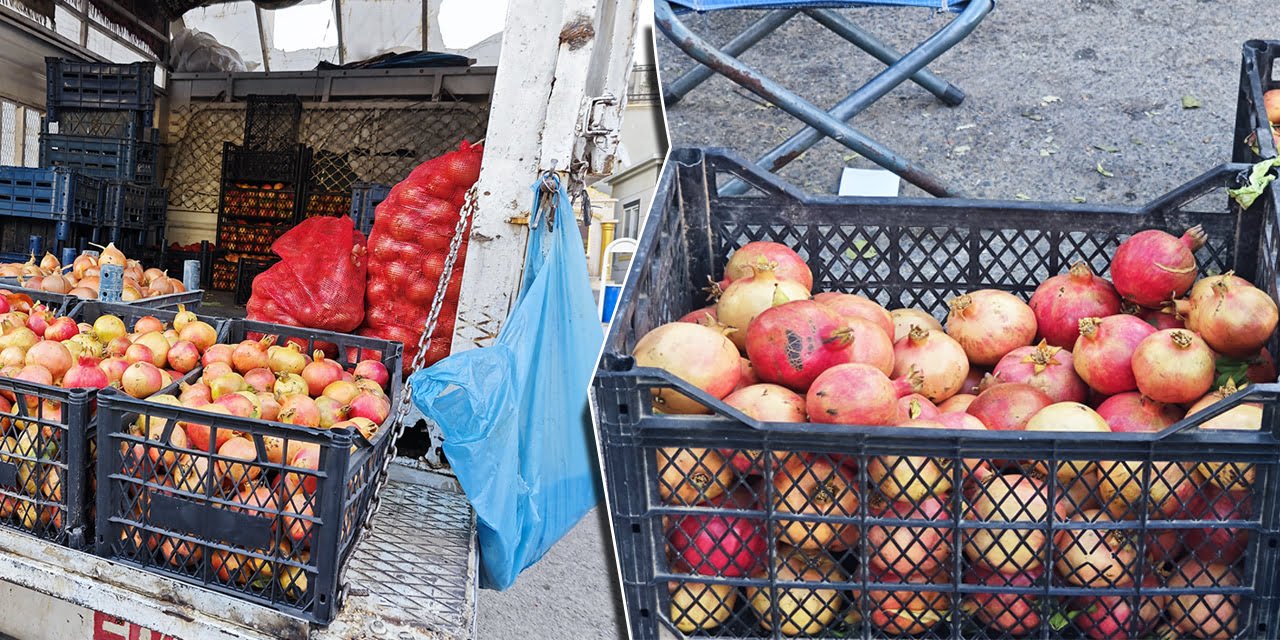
365,198
71,84
124,206
111,158
54,194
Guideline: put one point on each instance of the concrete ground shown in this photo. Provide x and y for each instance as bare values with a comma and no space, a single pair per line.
1058,93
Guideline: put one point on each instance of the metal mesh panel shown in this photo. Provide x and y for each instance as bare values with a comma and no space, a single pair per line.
370,142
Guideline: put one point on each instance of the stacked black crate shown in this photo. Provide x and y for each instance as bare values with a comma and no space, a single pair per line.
263,182
99,125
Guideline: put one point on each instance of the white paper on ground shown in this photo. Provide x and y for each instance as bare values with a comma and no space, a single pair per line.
869,182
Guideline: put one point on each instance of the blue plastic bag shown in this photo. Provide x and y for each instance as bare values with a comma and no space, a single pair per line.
514,415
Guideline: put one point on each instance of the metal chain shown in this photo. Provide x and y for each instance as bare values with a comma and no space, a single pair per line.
398,425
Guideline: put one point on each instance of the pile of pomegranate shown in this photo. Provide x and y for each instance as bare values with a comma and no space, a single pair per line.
1084,354
256,379
81,277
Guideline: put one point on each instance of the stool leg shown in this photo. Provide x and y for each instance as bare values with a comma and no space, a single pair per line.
948,93
807,112
928,51
681,86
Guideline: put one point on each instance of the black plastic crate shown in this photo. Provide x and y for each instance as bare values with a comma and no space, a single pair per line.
125,205
110,158
223,275
72,84
129,125
47,457
288,557
365,198
286,167
271,122
250,238
1254,136
326,203
55,194
246,270
826,488
174,261
242,202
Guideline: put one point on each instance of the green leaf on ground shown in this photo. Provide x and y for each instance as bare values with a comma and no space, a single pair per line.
1190,102
1107,148
1022,196
1077,199
1103,170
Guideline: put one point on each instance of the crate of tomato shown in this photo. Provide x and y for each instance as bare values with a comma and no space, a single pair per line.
48,451
255,481
1110,480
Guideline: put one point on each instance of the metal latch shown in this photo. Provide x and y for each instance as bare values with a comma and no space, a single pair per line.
597,141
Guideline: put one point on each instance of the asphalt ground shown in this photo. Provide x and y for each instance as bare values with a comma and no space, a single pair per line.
1082,99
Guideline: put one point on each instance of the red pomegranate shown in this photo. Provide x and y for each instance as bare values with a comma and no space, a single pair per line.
792,343
814,488
902,548
1207,612
1008,406
717,545
1152,267
1112,617
1121,486
1095,558
747,374
848,305
958,403
1218,544
911,478
869,344
908,611
766,403
699,355
705,316
1008,499
939,358
781,259
1047,368
858,394
1236,320
916,407
1104,349
1016,613
1132,412
990,323
1063,300
1173,366
1245,416
1201,293
1261,368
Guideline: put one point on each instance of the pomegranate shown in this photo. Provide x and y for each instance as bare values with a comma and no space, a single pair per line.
794,611
252,354
1207,613
184,356
793,343
1231,476
226,383
1113,617
215,353
196,395
235,474
990,323
286,359
214,371
1152,267
1165,318
1008,406
911,478
342,391
1173,366
1237,320
137,352
330,411
62,329
746,298
300,410
239,405
976,470
752,257
1049,369
1095,558
289,384
858,394
698,606
1068,417
85,374
51,355
268,407
958,403
365,384
705,316
939,358
766,403
38,321
904,319
691,476
372,370
1202,293
183,317
147,324
368,405
158,345
114,368
1005,499
916,407
1219,544
901,549
141,379
1013,614
1104,350
816,488
201,334
1120,484
1261,368
698,355
908,612
746,374
1062,301
718,545
848,305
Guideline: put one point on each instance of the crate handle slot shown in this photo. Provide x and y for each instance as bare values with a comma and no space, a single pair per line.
188,516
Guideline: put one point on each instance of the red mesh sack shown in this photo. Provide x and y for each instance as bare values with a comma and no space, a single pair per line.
320,280
407,249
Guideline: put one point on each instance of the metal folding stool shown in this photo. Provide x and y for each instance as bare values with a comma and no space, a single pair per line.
820,123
